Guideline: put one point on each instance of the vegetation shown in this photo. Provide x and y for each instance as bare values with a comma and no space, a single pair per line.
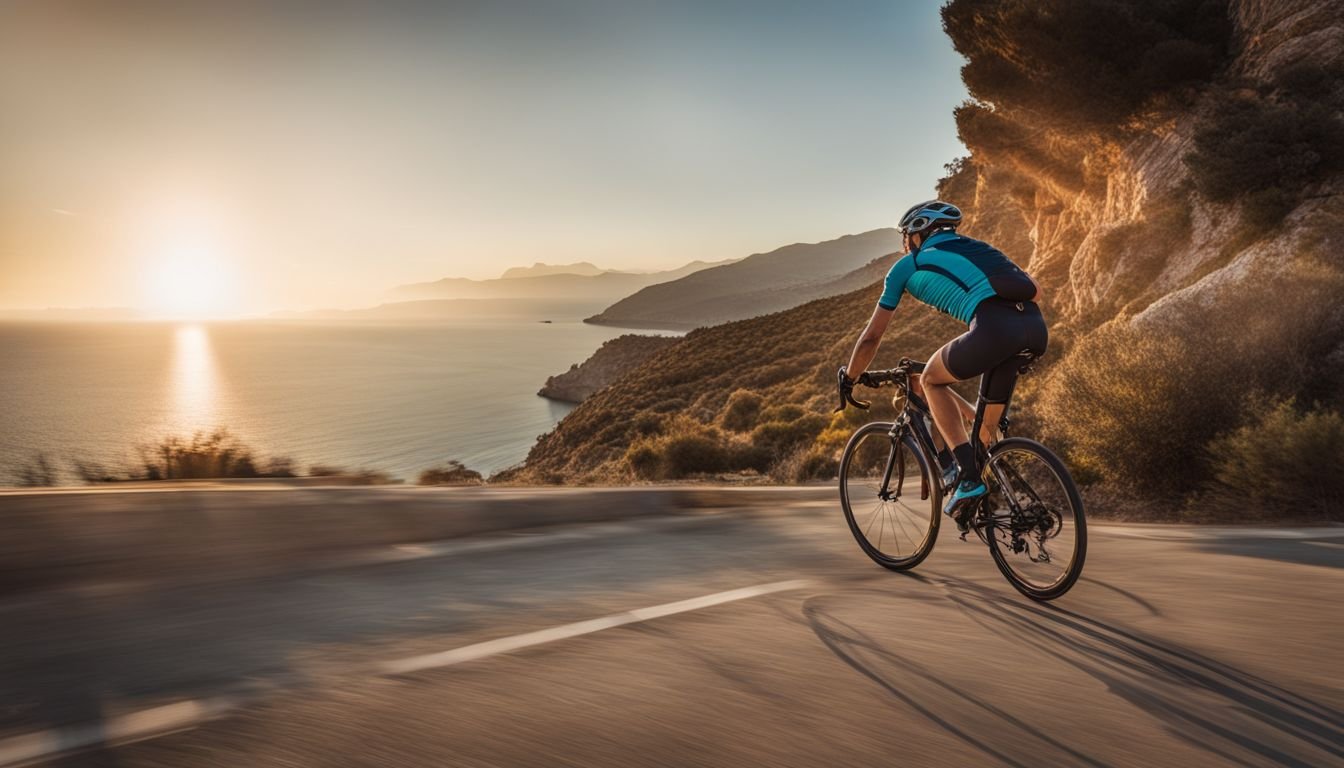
202,456
1085,63
215,455
1266,146
1136,407
1285,459
38,472
451,473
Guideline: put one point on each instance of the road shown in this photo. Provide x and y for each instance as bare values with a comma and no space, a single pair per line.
1180,646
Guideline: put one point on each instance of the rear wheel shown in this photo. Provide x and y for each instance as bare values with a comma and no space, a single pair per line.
1033,519
896,521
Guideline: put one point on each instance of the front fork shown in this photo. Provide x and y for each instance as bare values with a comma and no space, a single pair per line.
896,466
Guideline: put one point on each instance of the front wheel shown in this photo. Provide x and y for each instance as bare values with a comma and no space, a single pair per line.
1033,519
889,496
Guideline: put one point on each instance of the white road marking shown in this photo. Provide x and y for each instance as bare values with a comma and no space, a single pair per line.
566,631
146,723
157,721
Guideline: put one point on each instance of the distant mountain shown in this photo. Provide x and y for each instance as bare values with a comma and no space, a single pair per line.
456,310
604,287
540,269
759,284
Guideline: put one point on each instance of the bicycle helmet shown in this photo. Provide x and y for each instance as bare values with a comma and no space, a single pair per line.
930,214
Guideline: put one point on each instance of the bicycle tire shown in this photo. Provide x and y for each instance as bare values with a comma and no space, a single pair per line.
1077,516
900,562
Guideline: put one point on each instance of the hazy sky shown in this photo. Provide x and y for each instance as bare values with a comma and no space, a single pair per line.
319,154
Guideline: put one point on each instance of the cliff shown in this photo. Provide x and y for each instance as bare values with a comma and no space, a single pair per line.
613,359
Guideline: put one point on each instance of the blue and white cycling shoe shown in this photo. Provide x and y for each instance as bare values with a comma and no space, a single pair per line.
962,503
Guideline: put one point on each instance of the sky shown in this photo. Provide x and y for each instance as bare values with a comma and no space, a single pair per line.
313,154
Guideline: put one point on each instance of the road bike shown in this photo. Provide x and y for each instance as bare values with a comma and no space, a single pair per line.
891,488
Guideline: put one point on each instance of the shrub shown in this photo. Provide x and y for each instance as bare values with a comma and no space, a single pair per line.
783,436
1265,149
783,412
644,460
452,473
741,410
1136,406
646,424
1285,463
37,473
692,454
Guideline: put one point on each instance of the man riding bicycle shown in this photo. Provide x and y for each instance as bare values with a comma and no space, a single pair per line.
975,283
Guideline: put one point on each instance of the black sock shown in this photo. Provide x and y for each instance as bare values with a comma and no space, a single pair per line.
945,457
966,461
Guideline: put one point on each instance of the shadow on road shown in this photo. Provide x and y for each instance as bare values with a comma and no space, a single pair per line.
1236,716
1325,553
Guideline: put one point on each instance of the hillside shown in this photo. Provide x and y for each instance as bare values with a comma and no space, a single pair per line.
1171,172
611,361
757,285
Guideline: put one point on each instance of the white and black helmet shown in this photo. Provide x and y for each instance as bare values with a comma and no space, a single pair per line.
930,214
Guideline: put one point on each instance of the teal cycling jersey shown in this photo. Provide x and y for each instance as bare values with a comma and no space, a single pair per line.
953,274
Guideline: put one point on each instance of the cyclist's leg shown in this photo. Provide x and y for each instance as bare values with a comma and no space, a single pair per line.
937,381
967,413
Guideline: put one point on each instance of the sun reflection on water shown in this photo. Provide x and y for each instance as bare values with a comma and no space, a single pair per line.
194,381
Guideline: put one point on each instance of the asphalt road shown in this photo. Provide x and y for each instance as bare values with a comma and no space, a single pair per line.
1180,646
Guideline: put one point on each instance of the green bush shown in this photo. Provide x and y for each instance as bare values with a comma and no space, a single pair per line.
741,410
1284,464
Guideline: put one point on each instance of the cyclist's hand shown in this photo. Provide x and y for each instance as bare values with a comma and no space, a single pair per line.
866,380
846,387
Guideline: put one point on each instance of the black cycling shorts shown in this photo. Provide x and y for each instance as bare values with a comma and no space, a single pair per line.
1001,332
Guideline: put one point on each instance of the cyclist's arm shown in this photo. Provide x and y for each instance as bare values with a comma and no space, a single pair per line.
866,348
892,288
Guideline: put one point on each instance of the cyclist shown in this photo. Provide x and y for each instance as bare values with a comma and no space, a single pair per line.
975,283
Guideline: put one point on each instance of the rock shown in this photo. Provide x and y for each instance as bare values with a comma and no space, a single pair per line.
608,363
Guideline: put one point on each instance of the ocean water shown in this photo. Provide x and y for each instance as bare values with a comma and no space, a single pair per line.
398,398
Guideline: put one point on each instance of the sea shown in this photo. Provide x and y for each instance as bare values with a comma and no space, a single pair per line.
398,398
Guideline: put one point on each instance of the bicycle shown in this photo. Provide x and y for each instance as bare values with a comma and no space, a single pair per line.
1032,519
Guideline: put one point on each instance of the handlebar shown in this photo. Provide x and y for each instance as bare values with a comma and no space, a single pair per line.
874,379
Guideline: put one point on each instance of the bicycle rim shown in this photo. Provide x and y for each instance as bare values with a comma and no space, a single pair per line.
898,531
1033,519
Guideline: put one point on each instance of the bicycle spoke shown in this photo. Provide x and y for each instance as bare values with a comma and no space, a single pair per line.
903,534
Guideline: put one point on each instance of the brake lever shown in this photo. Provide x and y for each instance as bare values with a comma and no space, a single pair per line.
847,398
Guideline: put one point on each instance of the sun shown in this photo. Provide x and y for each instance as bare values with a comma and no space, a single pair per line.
189,280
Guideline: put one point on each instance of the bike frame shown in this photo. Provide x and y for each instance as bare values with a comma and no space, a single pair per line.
924,438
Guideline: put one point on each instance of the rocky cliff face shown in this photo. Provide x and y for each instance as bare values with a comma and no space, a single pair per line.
1132,235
